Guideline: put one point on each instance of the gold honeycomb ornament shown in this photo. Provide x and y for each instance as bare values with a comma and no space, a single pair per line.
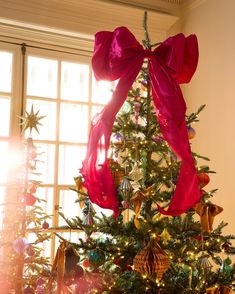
151,261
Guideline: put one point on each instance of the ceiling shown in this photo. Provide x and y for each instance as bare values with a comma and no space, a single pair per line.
166,6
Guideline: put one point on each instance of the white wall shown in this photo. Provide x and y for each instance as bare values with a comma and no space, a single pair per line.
214,85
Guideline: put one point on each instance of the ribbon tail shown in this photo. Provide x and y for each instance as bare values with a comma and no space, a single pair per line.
171,108
95,170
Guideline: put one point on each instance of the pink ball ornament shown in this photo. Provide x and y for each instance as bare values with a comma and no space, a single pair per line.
125,204
20,245
29,199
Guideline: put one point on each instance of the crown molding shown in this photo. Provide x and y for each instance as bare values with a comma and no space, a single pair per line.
78,20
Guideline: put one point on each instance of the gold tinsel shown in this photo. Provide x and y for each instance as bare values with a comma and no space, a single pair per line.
151,261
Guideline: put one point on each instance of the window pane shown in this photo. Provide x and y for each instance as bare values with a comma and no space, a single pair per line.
46,163
2,200
42,77
73,123
101,91
4,116
70,160
5,71
47,131
46,194
69,207
4,161
74,81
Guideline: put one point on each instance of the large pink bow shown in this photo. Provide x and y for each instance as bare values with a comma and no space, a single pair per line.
118,55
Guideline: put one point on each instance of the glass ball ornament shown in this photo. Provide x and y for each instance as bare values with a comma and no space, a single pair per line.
191,132
29,199
203,179
96,257
117,140
19,245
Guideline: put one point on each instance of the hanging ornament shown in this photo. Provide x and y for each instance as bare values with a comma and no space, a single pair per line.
45,225
29,199
137,173
125,204
32,188
117,140
80,188
144,84
137,107
205,265
157,138
117,172
58,269
31,120
165,236
151,261
203,179
137,199
191,132
207,212
96,257
126,189
88,212
86,263
19,245
71,258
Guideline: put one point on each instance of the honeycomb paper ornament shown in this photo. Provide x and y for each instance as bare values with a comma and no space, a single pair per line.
152,261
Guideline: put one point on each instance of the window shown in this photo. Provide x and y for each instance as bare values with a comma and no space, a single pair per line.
61,87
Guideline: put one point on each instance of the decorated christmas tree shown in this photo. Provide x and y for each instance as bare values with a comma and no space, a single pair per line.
160,237
24,267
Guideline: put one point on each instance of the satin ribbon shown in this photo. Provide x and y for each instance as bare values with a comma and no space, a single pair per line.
118,55
207,212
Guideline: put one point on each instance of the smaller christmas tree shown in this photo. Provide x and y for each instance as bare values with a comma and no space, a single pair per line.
25,261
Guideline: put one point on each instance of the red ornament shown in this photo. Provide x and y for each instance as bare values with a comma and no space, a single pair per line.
32,154
86,263
129,268
203,179
45,225
116,261
29,199
32,188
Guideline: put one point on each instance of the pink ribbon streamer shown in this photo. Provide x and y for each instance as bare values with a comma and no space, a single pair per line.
118,55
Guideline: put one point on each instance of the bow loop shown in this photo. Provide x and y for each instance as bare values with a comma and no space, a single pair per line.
114,52
179,55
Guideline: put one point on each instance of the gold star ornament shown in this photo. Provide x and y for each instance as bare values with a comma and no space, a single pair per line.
31,121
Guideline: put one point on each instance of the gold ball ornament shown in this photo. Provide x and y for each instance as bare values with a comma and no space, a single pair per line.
151,261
